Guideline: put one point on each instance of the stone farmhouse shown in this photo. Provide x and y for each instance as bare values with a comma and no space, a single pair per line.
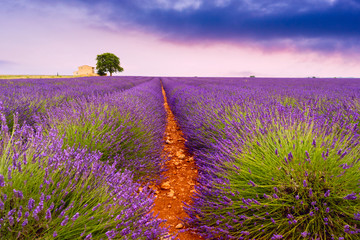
85,70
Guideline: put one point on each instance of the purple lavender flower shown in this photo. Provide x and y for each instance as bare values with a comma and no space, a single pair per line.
96,207
9,173
24,223
48,214
2,181
323,156
11,220
357,216
252,183
55,234
76,215
111,234
310,192
42,197
52,206
327,194
2,205
276,236
304,183
65,221
304,234
35,213
351,196
20,212
88,237
290,156
41,205
31,204
11,212
343,155
18,194
314,142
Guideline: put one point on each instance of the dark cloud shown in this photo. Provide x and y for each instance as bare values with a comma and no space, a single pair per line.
323,25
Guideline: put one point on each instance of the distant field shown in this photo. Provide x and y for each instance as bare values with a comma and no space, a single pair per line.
34,76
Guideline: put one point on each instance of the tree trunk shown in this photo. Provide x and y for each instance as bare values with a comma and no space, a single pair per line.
110,74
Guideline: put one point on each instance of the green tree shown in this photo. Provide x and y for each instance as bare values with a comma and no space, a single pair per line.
108,62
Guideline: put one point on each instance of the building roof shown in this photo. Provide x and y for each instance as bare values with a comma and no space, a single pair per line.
86,66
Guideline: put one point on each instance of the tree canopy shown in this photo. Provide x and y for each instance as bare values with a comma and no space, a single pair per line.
108,62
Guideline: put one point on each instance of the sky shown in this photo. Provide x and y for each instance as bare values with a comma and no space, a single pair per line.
238,38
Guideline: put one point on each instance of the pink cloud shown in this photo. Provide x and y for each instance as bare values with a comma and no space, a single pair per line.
59,42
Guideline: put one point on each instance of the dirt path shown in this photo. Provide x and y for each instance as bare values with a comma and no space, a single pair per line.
180,179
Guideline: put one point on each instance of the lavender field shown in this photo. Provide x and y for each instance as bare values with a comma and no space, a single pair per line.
277,158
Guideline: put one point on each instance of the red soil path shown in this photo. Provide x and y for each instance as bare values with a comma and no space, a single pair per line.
181,175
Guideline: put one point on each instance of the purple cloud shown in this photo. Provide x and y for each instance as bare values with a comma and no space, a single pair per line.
323,25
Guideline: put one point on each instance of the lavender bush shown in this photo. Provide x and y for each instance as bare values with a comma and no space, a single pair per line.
278,159
126,127
47,192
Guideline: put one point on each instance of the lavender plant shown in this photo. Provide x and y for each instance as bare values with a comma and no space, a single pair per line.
127,127
297,183
47,192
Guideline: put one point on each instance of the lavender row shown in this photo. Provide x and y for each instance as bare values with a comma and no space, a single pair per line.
278,158
28,97
74,171
126,127
48,192
124,122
